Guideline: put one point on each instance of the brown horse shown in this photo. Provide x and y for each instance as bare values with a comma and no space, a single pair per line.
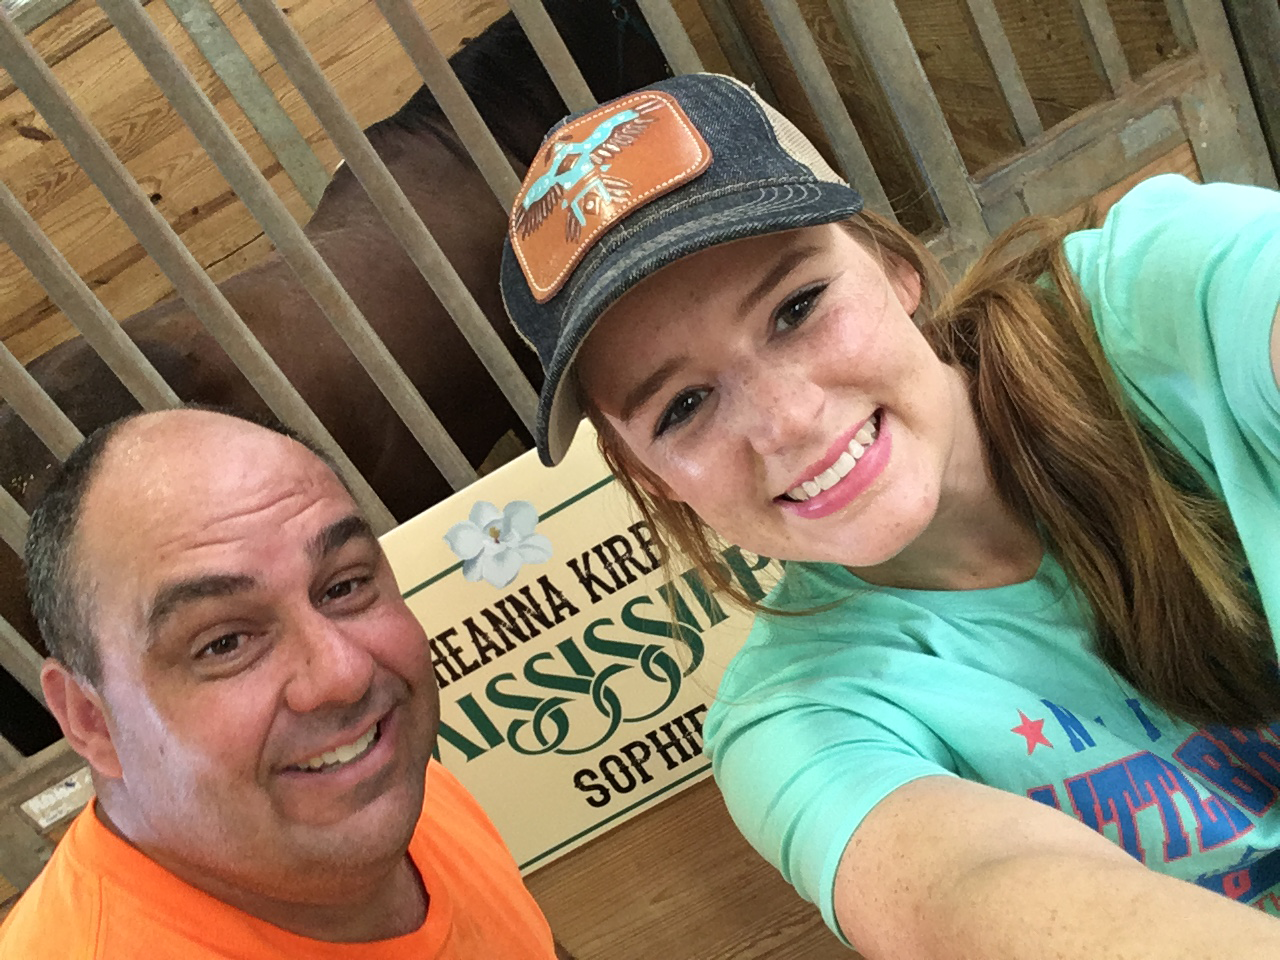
504,77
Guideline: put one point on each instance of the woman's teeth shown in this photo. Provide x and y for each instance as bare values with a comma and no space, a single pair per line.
847,460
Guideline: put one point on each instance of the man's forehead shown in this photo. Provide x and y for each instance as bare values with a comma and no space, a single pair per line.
180,470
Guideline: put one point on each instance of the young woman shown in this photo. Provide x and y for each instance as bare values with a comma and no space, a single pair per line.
1012,696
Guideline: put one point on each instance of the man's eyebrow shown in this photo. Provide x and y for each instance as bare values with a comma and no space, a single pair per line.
641,393
789,261
178,593
338,534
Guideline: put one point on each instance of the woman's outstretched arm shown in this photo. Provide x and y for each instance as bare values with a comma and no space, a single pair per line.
946,869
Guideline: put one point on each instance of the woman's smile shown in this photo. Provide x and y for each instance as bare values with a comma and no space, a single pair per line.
853,464
793,404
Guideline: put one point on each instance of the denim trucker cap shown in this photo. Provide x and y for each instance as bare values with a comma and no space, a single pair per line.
616,192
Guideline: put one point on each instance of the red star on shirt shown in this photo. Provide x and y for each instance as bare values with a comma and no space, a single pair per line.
1033,730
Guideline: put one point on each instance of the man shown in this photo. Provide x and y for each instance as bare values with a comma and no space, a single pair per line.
231,655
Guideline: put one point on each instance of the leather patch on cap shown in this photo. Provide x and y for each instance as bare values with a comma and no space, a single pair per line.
594,171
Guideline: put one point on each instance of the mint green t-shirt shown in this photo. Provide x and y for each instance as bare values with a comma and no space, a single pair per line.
820,717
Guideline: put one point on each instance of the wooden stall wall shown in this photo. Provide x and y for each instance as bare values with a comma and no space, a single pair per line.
349,38
678,882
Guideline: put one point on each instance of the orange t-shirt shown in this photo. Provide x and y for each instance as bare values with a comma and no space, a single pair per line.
100,898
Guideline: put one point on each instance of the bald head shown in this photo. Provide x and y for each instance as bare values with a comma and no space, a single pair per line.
150,472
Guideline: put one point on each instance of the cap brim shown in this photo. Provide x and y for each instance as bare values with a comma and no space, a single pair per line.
681,230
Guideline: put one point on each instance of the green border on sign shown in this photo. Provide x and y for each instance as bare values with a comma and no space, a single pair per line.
542,516
621,813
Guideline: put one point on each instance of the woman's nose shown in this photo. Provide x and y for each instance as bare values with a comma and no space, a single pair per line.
779,407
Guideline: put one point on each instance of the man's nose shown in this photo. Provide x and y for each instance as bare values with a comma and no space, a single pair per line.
332,667
778,407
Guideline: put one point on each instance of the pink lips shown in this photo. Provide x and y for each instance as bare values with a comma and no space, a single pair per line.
870,465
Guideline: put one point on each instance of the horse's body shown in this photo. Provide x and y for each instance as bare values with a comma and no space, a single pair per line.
516,98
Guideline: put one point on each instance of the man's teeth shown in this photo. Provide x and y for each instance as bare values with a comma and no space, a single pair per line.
847,460
341,755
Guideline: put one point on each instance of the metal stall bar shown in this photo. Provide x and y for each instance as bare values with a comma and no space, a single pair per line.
35,407
672,37
17,657
186,97
104,168
737,48
1204,27
247,88
433,67
29,14
876,27
392,204
13,522
1102,43
555,56
20,660
82,308
984,20
832,114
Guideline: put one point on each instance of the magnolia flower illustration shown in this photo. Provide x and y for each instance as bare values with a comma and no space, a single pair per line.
494,544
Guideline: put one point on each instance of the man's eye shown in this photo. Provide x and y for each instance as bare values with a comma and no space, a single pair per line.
344,588
225,645
684,406
796,310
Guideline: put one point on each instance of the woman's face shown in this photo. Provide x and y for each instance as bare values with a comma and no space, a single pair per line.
779,386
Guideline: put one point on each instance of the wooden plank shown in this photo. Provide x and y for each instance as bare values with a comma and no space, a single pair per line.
679,881
1163,86
1060,186
1207,22
10,757
351,40
1101,42
865,102
25,852
1178,160
986,26
41,770
879,31
821,90
1216,138
1256,27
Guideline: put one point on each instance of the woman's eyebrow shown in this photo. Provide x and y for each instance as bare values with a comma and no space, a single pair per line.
789,260
643,391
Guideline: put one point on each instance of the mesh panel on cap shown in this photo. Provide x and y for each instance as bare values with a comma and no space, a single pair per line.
797,144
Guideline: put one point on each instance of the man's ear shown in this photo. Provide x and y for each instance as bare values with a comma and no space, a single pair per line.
79,710
906,283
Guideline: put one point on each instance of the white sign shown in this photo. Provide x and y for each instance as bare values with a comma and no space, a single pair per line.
574,679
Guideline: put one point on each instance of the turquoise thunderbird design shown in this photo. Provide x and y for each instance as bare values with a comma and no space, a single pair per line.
578,178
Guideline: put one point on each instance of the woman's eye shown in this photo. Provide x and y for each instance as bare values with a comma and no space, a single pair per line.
684,406
796,310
